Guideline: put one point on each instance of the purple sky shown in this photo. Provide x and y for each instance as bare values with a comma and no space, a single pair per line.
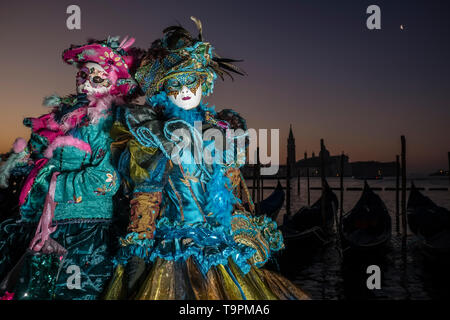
312,64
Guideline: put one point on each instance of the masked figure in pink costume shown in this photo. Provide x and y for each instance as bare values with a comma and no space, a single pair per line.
66,204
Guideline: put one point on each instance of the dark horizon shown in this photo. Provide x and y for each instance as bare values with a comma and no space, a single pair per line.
314,65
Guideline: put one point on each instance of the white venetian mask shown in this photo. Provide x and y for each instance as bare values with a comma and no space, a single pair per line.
185,90
92,79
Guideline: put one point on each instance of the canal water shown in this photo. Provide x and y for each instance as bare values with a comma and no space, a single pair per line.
326,275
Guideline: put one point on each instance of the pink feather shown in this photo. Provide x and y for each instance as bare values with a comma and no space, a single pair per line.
62,141
19,145
126,43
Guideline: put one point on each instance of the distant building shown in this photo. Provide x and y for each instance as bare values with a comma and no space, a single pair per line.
366,169
332,164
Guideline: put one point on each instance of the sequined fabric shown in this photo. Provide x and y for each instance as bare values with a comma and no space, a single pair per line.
37,277
183,280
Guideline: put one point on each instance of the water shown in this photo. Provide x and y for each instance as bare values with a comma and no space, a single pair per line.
325,275
441,198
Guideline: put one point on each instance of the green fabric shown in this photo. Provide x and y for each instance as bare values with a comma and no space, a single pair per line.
69,158
88,191
90,247
31,210
85,187
86,183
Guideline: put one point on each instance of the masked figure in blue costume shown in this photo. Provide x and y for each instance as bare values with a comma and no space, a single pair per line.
190,236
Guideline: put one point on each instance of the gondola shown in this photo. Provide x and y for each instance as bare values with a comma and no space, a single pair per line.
271,206
304,234
300,249
309,217
310,239
430,223
367,227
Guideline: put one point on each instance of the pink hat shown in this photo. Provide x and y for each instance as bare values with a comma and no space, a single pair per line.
112,56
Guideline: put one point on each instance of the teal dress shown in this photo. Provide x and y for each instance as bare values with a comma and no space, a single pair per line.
199,242
197,198
85,187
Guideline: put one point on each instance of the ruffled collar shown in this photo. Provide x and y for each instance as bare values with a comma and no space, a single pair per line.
72,110
69,104
172,111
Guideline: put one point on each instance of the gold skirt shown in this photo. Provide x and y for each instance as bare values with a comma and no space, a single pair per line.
170,280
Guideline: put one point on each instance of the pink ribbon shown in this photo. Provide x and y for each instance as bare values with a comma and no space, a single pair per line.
45,228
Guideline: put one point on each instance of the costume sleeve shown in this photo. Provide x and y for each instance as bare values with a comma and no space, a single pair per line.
145,209
86,170
88,181
149,178
240,190
144,169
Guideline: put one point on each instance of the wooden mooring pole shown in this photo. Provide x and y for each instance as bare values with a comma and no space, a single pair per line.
262,185
397,196
322,176
258,183
341,212
403,166
307,185
255,177
298,182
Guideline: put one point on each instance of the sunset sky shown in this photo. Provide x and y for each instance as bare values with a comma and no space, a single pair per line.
312,64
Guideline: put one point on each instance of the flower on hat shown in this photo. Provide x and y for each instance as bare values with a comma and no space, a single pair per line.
111,60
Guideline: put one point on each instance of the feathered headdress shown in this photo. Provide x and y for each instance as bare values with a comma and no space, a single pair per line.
179,52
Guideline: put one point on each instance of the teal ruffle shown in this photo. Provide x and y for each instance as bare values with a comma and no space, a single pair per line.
209,245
